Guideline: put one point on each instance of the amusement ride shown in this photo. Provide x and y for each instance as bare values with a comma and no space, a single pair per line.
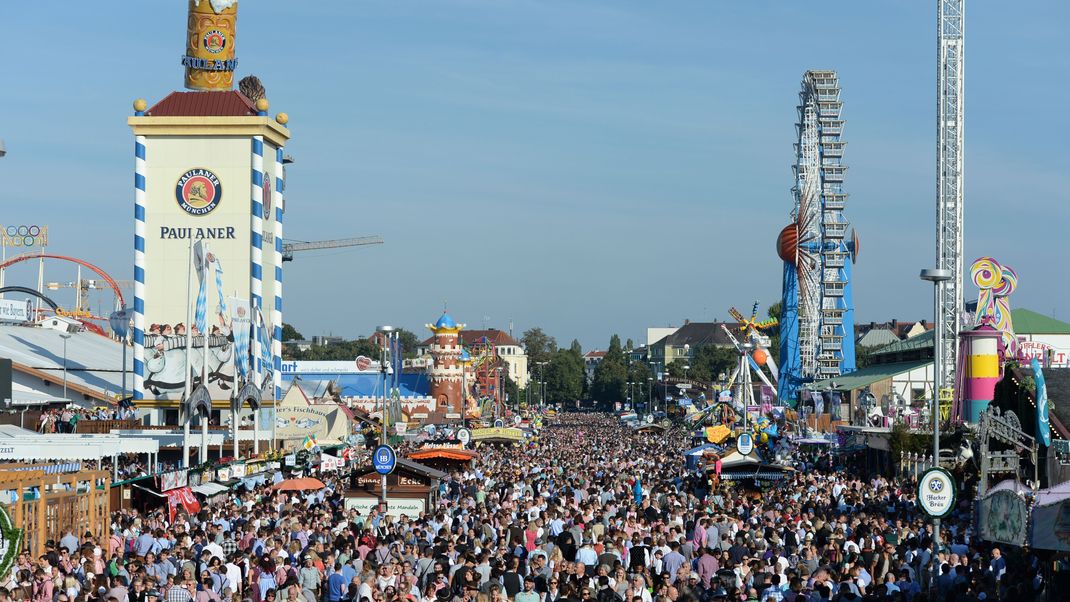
817,324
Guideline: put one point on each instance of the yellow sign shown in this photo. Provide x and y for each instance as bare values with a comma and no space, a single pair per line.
717,434
947,395
73,313
497,433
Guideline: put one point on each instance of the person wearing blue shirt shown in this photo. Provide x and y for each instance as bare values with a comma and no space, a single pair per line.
348,572
336,585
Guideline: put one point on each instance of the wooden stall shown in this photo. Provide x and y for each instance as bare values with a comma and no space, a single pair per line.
412,488
51,499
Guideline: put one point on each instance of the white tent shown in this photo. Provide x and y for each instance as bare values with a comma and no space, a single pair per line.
22,445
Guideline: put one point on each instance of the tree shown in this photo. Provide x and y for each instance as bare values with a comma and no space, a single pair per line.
640,375
776,310
409,342
512,392
610,376
576,348
564,377
629,345
864,355
711,361
538,345
289,333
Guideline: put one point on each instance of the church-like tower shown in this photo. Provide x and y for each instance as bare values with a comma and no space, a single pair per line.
446,372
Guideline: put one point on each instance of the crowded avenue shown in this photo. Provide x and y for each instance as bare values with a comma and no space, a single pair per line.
533,301
590,510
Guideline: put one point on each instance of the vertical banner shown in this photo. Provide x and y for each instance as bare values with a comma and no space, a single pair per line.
241,323
1043,425
200,259
263,349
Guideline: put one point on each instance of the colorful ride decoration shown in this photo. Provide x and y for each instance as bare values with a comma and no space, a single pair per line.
752,356
995,283
754,330
985,348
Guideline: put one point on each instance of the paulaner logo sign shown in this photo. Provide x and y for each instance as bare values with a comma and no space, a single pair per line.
198,191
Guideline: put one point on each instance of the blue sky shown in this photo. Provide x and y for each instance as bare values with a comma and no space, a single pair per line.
588,167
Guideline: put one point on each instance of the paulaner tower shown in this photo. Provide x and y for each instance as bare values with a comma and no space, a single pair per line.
208,166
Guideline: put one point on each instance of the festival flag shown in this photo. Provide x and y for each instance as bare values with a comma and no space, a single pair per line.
240,324
200,261
310,442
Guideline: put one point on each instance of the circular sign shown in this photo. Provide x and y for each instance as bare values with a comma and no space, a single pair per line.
649,419
215,41
384,459
517,419
745,444
464,436
499,423
198,191
363,363
936,492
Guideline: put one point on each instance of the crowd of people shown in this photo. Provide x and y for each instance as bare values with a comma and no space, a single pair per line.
65,420
588,511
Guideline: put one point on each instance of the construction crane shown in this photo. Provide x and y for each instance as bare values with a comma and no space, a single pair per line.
292,246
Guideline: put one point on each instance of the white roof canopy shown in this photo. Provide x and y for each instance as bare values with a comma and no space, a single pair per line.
21,445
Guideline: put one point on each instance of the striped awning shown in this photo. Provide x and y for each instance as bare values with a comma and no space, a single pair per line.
54,468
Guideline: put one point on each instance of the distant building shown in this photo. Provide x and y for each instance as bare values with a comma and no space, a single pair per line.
509,351
656,333
682,343
1042,337
298,344
900,330
591,359
877,337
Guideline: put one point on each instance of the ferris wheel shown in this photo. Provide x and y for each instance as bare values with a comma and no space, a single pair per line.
817,323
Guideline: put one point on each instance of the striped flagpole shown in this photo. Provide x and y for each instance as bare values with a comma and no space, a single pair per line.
257,242
139,267
276,316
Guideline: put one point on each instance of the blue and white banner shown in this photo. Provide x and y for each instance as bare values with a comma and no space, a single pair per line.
240,325
265,364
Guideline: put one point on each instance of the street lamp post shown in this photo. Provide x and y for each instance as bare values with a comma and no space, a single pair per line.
649,392
937,276
65,337
387,331
542,381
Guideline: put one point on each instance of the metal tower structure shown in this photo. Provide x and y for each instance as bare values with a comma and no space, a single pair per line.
817,324
949,182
